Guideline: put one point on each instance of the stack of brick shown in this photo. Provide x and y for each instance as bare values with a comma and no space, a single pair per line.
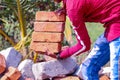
47,36
48,32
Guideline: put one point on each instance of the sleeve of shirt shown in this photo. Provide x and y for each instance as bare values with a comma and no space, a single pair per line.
83,40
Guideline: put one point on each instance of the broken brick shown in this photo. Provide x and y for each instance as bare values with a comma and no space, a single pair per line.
49,16
104,77
68,78
43,47
28,79
49,26
4,78
47,37
12,74
2,64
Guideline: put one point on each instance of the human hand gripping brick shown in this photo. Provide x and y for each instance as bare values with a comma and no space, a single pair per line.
57,55
48,33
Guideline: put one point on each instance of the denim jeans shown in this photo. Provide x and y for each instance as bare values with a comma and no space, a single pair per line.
102,52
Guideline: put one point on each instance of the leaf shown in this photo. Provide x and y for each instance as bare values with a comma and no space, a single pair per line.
68,30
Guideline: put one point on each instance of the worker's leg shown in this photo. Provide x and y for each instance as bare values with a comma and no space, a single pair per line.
114,59
98,57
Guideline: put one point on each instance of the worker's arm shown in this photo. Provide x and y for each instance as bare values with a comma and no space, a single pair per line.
83,40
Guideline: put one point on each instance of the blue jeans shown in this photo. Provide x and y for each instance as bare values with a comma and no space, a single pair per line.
102,52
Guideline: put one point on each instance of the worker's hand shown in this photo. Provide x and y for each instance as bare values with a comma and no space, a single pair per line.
61,11
57,55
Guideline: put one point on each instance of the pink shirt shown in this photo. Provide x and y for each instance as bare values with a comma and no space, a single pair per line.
106,12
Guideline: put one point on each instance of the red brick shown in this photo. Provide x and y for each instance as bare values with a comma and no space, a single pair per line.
4,78
43,47
47,37
49,26
68,78
49,16
2,64
104,77
13,73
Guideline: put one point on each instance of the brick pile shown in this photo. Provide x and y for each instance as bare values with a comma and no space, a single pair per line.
47,36
48,32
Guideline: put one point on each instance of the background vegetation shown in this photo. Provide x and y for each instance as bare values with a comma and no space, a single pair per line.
16,24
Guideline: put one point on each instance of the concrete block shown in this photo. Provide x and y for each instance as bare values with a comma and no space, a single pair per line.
49,26
49,16
47,37
25,67
12,57
54,68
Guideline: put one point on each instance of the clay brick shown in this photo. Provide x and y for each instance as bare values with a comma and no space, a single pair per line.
4,78
47,37
49,16
43,47
49,26
68,78
2,64
104,77
13,73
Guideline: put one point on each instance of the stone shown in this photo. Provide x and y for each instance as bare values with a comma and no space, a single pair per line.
12,57
54,68
25,67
